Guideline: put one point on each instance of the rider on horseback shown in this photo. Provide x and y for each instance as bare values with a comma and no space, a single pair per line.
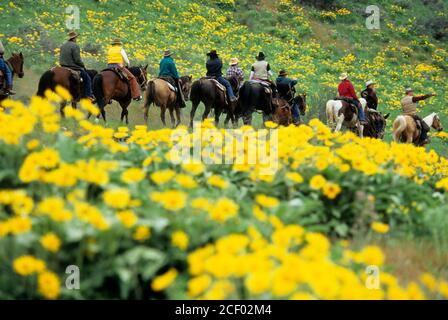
117,58
70,57
214,69
347,91
409,105
235,71
369,93
261,70
168,70
7,73
286,90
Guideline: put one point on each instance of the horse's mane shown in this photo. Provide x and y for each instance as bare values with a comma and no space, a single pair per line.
134,70
430,119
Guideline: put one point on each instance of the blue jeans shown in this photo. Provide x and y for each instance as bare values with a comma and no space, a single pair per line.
87,83
226,84
8,74
295,112
361,114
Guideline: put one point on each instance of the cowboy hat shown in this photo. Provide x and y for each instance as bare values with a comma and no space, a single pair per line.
370,82
117,41
167,53
343,76
72,35
409,90
260,55
282,73
212,53
233,61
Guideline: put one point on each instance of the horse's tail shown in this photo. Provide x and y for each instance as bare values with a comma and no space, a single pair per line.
399,127
46,81
151,93
98,90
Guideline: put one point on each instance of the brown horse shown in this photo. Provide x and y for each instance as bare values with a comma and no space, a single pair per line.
66,78
405,128
108,86
161,93
282,114
376,124
212,95
15,63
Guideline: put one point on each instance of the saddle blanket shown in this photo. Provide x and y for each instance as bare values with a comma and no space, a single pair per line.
168,82
75,73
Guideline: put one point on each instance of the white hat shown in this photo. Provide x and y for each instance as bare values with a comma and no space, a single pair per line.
409,90
368,83
343,76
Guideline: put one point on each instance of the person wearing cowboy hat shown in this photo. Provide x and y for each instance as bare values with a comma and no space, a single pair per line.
261,70
369,93
117,58
70,57
214,70
167,69
409,105
7,90
347,91
234,71
286,90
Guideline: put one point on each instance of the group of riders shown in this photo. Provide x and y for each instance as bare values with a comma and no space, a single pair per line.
284,87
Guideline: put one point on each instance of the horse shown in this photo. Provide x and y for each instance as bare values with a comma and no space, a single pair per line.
405,128
282,114
161,93
212,95
108,86
66,78
340,112
254,96
15,63
376,124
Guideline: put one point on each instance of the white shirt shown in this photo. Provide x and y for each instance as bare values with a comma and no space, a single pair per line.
125,57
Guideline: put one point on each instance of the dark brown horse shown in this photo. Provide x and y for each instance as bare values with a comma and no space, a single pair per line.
15,63
108,86
160,93
66,78
376,124
254,96
207,91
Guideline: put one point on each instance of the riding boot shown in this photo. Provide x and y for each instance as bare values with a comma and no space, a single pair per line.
135,88
9,91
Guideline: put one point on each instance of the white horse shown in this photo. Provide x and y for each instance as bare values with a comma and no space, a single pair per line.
405,128
336,120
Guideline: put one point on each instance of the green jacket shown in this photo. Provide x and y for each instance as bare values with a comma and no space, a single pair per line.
168,68
70,56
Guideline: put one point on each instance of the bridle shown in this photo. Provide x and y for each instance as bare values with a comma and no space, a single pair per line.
145,79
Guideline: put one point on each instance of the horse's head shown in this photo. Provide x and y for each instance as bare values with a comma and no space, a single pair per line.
185,83
301,102
141,74
436,123
282,111
16,62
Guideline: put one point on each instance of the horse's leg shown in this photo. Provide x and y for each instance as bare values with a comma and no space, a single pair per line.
173,121
146,110
206,112
74,105
177,116
162,113
194,106
361,130
340,120
124,111
217,115
61,109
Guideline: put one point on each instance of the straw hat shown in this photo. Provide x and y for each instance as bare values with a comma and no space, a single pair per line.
409,90
233,61
343,76
117,41
167,53
72,35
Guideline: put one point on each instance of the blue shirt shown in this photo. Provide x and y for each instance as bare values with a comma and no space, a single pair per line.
168,68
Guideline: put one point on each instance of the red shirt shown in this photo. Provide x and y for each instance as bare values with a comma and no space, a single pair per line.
346,89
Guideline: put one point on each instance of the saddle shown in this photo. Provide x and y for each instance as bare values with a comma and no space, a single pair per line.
216,82
265,84
118,73
76,73
170,82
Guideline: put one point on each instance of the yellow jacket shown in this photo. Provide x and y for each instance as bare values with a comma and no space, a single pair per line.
114,55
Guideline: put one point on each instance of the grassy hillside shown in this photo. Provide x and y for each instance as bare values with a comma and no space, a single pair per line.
314,42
